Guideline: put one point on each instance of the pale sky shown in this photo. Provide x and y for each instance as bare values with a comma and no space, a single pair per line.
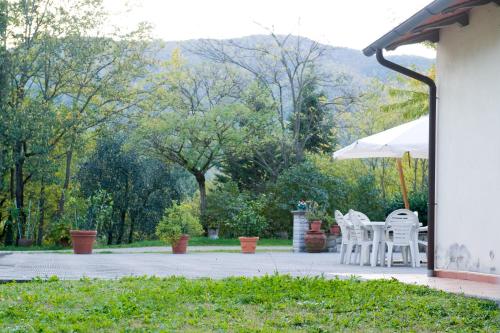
350,23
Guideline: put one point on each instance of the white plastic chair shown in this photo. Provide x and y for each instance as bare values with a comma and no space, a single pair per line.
401,226
348,238
422,242
363,240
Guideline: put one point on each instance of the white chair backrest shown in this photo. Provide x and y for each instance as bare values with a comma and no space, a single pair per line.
362,217
357,220
344,224
401,223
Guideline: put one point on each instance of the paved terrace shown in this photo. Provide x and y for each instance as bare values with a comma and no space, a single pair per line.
214,262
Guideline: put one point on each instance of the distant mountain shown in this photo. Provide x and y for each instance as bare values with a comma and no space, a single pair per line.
350,61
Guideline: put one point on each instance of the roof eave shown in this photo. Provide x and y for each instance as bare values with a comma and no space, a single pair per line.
413,22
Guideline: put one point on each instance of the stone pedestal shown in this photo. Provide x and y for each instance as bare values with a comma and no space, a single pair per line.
332,242
300,227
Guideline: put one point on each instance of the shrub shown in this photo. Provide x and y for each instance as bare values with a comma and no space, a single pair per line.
249,221
365,197
418,202
99,213
58,232
223,204
303,181
178,220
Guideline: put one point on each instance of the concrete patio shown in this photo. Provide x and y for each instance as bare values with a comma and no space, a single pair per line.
213,262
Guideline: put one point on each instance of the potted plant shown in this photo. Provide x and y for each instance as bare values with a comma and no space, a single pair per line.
213,226
176,225
249,223
316,215
315,238
84,233
335,229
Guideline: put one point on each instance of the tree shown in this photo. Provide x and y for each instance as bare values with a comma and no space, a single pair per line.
62,81
285,67
193,121
409,97
316,128
140,187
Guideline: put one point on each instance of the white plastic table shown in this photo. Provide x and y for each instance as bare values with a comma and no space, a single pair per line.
378,229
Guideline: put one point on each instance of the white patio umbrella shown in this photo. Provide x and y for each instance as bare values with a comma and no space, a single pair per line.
412,138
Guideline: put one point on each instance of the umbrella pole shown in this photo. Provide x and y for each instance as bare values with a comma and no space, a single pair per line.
402,183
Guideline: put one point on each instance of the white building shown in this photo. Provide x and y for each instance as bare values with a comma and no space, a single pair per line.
467,146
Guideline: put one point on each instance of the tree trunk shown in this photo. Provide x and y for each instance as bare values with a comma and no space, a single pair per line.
131,231
121,226
9,228
67,178
123,212
110,236
200,179
19,185
41,220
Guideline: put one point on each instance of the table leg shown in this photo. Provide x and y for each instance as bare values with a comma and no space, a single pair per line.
416,251
382,251
375,246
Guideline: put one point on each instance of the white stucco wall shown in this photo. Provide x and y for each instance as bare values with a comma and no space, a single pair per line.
468,155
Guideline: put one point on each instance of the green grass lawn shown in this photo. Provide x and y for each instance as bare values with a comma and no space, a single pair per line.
194,241
268,304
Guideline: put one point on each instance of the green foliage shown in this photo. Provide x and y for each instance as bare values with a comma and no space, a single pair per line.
141,186
308,182
410,97
249,221
223,204
58,232
106,116
235,212
316,126
178,220
419,201
269,304
99,212
317,213
365,197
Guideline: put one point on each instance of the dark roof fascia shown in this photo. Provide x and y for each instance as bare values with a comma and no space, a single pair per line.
436,7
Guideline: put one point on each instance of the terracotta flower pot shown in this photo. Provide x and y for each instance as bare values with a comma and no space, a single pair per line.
83,241
315,241
25,242
316,225
180,247
335,230
248,244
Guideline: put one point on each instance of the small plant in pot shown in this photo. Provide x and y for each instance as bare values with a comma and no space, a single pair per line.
84,233
317,216
213,226
177,224
315,238
249,223
335,229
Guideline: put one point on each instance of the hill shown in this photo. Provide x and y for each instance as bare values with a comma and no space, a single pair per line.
347,60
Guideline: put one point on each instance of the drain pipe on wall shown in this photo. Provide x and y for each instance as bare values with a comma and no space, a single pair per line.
431,212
